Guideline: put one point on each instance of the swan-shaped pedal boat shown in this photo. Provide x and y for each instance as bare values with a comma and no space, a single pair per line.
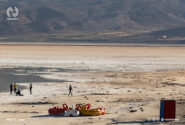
86,111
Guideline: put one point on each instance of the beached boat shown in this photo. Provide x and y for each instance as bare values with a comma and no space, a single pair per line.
59,111
81,109
56,111
91,112
86,111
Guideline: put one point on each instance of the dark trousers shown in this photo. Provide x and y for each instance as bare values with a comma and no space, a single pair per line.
15,90
30,91
11,91
70,93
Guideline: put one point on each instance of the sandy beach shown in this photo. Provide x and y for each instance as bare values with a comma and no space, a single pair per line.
119,78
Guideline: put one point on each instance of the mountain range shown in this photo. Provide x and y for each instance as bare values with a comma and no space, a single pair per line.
121,20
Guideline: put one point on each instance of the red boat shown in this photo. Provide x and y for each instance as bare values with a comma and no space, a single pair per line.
58,110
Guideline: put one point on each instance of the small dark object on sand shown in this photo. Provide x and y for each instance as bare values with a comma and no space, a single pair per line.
133,111
141,109
35,103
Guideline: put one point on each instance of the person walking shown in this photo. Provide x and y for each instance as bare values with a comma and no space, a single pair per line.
70,90
15,87
31,88
11,88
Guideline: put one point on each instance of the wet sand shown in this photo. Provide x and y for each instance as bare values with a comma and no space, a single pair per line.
22,75
117,78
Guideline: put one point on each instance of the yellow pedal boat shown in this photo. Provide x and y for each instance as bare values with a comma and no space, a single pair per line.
90,112
86,111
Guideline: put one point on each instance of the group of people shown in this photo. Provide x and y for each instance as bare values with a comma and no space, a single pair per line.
17,92
14,88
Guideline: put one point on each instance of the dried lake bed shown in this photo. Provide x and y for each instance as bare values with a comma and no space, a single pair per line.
114,77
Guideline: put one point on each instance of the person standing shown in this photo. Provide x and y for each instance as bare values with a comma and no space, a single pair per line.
15,87
31,88
70,90
11,88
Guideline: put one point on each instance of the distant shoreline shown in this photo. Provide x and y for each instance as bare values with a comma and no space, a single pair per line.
89,44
